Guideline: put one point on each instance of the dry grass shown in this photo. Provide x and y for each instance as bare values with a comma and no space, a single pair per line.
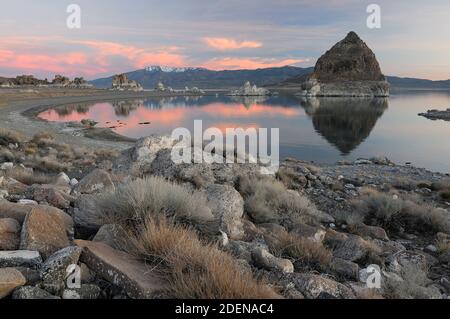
9,137
413,285
289,178
268,201
132,202
194,269
394,213
28,177
48,165
304,251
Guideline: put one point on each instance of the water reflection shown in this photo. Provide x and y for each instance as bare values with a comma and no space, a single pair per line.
345,123
323,130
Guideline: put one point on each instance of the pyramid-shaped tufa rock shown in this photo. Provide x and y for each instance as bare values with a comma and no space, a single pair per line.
349,68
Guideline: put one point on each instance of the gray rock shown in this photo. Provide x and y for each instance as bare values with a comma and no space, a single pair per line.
20,258
344,268
262,258
29,292
112,235
86,292
315,287
54,269
85,214
95,181
227,206
354,248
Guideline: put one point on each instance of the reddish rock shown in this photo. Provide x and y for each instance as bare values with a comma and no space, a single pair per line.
10,279
44,232
9,234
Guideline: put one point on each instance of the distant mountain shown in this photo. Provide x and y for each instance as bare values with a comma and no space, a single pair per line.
412,83
179,78
288,76
395,81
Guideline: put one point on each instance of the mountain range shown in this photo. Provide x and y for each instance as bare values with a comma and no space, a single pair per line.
287,76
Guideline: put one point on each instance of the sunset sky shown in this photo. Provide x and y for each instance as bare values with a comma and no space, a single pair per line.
120,36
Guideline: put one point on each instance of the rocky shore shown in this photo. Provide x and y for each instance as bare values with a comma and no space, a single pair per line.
133,224
437,115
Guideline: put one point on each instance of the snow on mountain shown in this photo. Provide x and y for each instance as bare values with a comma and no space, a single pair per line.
166,69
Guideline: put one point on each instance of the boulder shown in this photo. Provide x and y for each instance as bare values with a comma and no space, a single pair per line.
14,187
354,248
85,214
44,232
95,181
344,268
263,259
10,279
30,293
9,234
56,196
315,234
20,211
112,235
366,231
227,206
54,269
319,287
121,269
138,160
85,292
32,276
20,258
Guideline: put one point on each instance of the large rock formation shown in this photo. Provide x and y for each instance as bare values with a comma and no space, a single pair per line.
122,83
349,68
250,90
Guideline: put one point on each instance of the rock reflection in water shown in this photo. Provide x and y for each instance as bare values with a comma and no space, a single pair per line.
345,123
79,108
124,108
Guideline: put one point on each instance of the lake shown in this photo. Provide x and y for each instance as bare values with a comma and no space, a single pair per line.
321,130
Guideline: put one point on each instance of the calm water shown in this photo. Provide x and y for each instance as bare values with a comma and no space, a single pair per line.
321,130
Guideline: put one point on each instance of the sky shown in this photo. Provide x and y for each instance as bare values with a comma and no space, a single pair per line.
122,36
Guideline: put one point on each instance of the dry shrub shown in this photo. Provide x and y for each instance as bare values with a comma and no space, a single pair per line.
48,164
404,183
413,285
28,177
10,137
194,269
133,201
268,201
290,178
441,185
396,213
305,251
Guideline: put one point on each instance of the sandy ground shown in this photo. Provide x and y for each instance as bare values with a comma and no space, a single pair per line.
19,107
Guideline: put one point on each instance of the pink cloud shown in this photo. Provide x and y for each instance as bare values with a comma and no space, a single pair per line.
224,44
247,63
